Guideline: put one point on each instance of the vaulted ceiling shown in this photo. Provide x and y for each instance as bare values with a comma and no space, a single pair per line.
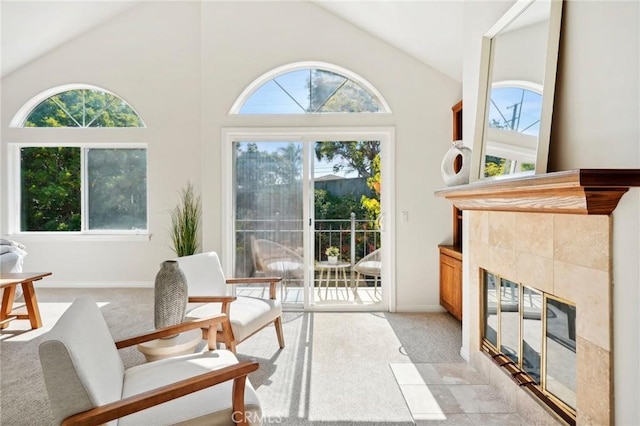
429,30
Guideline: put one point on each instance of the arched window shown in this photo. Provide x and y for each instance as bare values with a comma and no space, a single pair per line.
309,88
67,183
515,109
78,106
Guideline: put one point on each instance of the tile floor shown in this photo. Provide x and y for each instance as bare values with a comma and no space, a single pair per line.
452,394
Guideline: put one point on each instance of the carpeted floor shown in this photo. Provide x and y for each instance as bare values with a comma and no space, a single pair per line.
335,368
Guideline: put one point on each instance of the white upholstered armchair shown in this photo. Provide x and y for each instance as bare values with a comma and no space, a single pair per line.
87,383
208,295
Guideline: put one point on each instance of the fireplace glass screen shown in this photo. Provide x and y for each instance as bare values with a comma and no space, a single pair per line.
510,319
561,351
490,309
532,335
532,332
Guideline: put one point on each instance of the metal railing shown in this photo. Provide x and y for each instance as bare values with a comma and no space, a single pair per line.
355,238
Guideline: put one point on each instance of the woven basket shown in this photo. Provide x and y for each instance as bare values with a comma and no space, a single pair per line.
170,295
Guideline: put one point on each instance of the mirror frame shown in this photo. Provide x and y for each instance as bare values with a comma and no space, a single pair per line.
548,91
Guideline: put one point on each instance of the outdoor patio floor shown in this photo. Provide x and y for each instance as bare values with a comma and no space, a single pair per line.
322,296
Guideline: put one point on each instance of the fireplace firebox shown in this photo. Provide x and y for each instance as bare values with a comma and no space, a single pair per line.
532,336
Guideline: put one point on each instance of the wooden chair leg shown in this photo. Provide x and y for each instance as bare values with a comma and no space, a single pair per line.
278,325
239,413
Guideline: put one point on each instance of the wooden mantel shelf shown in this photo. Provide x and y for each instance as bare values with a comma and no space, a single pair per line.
583,191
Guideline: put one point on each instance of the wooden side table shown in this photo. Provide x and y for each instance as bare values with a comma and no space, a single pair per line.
182,344
8,282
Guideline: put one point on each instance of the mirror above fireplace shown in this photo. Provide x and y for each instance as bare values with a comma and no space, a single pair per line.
516,88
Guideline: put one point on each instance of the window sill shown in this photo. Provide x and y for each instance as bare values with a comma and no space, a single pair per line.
66,237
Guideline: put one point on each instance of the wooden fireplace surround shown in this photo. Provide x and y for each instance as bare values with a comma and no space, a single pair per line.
582,191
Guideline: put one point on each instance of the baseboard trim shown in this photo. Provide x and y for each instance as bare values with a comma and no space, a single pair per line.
420,308
464,353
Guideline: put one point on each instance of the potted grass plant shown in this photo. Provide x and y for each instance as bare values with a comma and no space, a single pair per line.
185,222
170,289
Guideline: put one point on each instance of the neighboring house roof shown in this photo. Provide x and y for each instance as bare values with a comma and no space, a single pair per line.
328,177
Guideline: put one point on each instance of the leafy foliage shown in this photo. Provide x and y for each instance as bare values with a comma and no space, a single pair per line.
372,204
353,155
185,223
50,189
331,92
83,108
332,251
362,157
117,185
329,206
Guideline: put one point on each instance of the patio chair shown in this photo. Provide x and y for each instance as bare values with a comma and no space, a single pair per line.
87,383
208,295
271,258
369,266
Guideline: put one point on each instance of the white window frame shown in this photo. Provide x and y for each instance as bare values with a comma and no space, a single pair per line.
14,197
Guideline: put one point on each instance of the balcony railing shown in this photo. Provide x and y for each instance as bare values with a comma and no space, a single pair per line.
354,237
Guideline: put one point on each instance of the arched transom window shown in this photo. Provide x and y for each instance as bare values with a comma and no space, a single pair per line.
85,106
298,89
515,109
64,183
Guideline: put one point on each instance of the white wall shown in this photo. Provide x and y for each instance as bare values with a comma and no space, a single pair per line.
150,57
595,125
182,65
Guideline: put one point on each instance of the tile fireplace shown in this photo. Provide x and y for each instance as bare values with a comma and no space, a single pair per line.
541,247
557,265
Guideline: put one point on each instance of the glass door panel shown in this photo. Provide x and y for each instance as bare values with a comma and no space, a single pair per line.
346,208
268,204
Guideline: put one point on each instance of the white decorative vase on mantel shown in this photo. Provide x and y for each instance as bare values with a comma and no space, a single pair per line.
447,168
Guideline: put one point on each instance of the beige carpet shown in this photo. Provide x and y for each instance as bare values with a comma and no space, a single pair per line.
334,369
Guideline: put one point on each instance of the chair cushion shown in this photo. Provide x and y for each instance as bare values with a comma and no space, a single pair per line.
370,267
204,274
246,314
213,404
284,268
81,365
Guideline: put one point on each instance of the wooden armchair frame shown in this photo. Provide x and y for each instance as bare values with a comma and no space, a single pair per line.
237,372
226,335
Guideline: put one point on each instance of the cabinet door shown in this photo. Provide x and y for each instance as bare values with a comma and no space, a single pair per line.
451,285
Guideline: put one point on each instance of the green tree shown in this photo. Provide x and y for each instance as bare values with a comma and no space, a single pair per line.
50,189
331,92
329,206
117,187
83,108
355,156
372,204
494,166
268,182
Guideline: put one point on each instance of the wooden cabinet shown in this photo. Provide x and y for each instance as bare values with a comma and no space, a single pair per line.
451,280
451,256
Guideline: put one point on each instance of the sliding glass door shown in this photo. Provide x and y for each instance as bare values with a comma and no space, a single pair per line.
293,202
